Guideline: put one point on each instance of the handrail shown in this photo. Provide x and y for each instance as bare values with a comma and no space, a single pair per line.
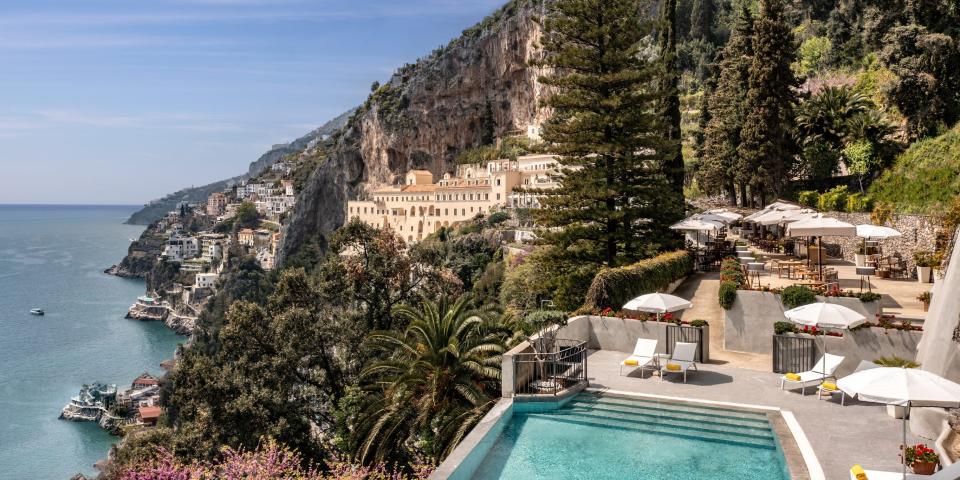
550,372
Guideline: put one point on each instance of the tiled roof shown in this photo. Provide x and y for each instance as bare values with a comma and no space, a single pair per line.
419,188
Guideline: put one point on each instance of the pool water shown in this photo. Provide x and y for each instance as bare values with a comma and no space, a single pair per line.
596,436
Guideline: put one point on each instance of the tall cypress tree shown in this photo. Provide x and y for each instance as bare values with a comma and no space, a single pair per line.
718,170
768,147
614,204
701,20
670,95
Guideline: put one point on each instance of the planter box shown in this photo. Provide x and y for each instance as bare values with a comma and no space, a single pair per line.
861,260
923,274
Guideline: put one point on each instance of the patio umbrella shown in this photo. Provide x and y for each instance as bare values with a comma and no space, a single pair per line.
825,315
711,217
658,303
775,206
820,226
693,224
904,387
876,232
724,213
776,217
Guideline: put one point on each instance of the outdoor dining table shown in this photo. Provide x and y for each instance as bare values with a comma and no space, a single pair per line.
791,265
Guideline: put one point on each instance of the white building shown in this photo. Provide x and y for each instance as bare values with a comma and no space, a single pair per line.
420,207
205,280
180,248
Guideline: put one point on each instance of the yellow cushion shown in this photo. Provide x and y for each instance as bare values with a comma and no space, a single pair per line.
631,362
792,376
673,367
829,386
858,473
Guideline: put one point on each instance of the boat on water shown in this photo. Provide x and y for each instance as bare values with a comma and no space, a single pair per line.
36,311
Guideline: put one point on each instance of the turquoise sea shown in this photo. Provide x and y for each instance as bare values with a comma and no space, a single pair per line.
53,257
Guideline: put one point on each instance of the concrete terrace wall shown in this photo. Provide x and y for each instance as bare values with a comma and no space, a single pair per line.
748,326
870,344
939,352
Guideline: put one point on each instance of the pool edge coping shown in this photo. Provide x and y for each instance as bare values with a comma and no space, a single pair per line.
493,420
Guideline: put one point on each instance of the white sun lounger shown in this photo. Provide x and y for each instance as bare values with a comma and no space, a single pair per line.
684,355
823,369
643,353
864,365
949,473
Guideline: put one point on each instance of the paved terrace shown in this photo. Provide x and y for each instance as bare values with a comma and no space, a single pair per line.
840,435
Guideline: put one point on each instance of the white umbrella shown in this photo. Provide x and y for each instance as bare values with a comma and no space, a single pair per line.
905,387
777,217
727,214
825,315
711,217
877,232
820,226
695,224
775,206
658,303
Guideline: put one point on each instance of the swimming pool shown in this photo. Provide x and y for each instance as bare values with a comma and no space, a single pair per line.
599,436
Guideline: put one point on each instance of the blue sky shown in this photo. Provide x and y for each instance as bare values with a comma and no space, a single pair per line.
122,101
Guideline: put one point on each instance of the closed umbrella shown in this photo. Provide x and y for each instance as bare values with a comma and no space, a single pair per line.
825,316
904,387
658,303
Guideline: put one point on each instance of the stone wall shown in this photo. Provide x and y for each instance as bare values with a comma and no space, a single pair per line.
919,233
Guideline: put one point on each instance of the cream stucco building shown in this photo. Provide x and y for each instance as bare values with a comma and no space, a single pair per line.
421,206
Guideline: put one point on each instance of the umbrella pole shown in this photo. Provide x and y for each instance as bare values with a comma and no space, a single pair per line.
820,257
903,446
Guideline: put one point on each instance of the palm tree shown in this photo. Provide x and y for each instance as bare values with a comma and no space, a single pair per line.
825,116
436,381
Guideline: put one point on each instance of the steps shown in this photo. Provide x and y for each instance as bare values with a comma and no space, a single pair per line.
697,422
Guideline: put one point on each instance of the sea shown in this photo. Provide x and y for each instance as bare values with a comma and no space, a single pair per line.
53,257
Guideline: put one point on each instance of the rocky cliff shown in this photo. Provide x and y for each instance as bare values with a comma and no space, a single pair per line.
426,114
158,208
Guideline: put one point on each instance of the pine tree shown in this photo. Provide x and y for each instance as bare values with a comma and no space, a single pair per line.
614,204
718,170
767,146
670,95
701,20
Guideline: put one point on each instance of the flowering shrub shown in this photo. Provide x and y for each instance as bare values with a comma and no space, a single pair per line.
269,461
920,453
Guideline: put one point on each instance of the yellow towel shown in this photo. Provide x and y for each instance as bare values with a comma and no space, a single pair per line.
858,473
792,376
673,367
631,362
829,386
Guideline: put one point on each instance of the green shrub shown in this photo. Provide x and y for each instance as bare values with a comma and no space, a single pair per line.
809,198
497,218
897,362
613,287
728,294
699,323
867,297
924,258
924,178
834,200
730,271
859,202
784,327
541,319
795,296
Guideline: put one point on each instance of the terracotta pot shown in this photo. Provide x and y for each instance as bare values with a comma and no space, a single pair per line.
926,306
924,468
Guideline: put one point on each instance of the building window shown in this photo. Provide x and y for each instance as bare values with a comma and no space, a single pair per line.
498,182
498,196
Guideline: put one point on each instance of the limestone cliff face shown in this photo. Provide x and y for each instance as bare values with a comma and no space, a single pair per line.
428,113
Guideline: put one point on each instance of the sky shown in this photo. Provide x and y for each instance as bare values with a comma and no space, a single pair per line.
124,101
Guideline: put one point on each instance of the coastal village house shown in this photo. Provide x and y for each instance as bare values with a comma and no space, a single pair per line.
420,207
216,204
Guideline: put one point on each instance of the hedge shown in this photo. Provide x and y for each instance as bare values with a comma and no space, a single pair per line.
809,198
728,293
797,295
613,287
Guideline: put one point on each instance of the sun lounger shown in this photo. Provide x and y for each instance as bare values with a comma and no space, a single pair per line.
643,355
682,360
822,370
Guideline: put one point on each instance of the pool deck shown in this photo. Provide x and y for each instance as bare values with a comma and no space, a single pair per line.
841,436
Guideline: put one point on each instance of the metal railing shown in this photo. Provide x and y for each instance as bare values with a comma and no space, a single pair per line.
793,353
550,372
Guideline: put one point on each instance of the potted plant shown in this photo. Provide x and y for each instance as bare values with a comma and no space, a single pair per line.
921,458
925,262
925,298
